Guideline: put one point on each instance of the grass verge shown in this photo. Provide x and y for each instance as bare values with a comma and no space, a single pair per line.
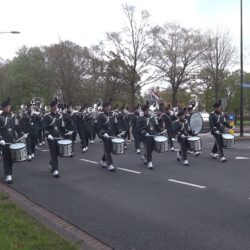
18,230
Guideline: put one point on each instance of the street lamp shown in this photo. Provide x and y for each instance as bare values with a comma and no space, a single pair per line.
11,32
241,71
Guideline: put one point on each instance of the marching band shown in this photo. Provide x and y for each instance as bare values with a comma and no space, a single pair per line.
60,126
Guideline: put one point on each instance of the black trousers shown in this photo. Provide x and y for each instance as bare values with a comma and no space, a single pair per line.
136,138
31,143
149,146
218,145
84,137
184,147
170,138
107,146
54,151
41,136
7,160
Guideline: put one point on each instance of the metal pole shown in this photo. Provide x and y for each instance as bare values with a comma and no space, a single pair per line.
241,71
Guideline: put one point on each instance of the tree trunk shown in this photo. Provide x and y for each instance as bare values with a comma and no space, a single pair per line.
132,97
174,97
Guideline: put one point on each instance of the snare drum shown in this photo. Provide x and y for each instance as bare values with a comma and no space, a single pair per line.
228,141
194,143
118,146
65,148
161,144
18,151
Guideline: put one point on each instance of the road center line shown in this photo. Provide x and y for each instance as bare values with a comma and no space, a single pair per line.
128,170
241,158
186,183
94,162
123,169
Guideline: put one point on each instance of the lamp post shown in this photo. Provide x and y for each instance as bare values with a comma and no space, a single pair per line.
241,71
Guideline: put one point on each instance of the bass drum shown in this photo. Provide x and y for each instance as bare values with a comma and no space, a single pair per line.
196,122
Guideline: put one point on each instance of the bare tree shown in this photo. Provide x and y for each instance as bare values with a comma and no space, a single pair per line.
131,47
218,57
176,51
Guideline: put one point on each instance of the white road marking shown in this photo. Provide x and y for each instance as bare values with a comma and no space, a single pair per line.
45,150
95,162
241,158
128,170
123,169
187,183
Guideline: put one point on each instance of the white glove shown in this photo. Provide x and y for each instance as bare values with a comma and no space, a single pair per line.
50,137
25,136
106,135
2,142
70,132
147,134
183,136
217,132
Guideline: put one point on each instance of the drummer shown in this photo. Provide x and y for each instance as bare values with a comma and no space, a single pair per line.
147,127
104,125
8,127
55,129
217,122
183,130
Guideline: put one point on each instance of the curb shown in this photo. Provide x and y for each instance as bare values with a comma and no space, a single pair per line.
243,138
57,224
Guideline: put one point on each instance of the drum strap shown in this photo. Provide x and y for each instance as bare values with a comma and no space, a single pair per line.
183,124
53,121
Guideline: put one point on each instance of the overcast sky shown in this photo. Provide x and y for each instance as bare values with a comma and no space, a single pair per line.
43,22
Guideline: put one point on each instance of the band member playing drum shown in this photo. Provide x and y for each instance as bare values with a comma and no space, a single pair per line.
182,129
55,129
133,120
147,128
104,130
166,122
8,126
29,122
217,122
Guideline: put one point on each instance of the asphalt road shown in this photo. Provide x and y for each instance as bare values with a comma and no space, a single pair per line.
203,206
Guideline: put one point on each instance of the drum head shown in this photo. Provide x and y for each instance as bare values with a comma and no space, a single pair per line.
196,122
64,142
17,146
194,138
118,140
228,136
161,138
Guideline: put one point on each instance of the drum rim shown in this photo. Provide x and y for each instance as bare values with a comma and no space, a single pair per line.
18,143
225,136
118,140
68,142
161,136
192,137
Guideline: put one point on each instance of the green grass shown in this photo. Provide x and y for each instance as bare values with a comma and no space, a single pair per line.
246,123
20,231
